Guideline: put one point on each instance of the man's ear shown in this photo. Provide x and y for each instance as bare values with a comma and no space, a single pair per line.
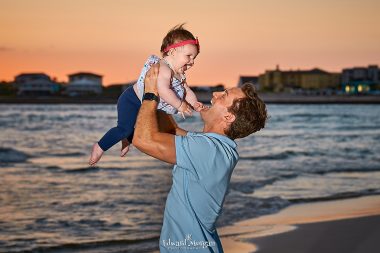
229,117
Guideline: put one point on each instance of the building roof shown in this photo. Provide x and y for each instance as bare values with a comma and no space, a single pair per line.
362,68
311,71
32,75
246,79
84,74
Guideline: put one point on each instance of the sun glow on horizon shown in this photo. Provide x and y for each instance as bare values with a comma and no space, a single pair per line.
114,38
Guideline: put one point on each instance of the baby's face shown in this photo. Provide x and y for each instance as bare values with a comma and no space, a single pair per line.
184,57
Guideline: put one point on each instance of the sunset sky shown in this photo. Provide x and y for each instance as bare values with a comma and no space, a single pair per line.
241,37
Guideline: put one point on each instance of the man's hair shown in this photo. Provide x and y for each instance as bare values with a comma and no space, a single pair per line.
176,34
250,113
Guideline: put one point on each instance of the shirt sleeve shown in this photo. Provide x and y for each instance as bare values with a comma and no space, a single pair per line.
195,153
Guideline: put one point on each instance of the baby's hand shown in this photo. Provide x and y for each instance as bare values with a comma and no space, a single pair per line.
185,108
198,106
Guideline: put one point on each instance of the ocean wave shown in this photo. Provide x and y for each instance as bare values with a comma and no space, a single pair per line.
337,196
10,155
53,168
248,187
57,118
148,244
83,170
280,156
357,127
310,115
239,207
68,154
92,169
350,170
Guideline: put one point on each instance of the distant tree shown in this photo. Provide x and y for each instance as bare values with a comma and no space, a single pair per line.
218,87
112,91
7,89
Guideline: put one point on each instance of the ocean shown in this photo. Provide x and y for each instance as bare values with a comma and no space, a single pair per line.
52,201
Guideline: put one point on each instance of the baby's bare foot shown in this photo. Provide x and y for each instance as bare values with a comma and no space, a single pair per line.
124,147
96,154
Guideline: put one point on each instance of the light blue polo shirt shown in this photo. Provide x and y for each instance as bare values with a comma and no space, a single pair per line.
205,162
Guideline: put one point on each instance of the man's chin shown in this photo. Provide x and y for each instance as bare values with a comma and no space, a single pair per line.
204,110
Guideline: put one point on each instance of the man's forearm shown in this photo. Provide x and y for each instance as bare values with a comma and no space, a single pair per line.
148,137
146,124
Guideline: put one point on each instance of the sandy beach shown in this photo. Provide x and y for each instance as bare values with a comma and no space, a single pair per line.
349,225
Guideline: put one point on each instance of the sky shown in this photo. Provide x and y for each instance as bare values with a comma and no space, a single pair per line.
113,38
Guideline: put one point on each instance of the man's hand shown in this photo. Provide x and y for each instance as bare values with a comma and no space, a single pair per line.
151,79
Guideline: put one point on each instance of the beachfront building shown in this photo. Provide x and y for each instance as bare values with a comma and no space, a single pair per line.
249,79
314,79
84,83
360,80
35,84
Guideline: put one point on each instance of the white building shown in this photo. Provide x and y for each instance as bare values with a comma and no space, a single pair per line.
35,84
83,83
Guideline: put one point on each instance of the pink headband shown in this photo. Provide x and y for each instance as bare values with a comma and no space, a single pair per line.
182,43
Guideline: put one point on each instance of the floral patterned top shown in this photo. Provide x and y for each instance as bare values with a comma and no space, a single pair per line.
176,85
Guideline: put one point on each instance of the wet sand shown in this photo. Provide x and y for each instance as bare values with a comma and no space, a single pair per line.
350,225
350,236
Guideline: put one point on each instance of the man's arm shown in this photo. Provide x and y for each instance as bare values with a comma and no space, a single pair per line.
147,137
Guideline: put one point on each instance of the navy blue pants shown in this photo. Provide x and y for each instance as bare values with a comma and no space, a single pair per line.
128,106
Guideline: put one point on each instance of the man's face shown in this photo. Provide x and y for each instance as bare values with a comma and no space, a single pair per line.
220,103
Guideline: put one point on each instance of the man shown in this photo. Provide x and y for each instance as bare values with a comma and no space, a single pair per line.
203,162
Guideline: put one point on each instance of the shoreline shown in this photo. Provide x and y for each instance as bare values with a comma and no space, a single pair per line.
288,226
269,98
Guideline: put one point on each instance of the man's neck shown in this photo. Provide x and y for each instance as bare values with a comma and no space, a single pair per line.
213,129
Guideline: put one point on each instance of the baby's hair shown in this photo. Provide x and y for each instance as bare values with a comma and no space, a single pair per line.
176,34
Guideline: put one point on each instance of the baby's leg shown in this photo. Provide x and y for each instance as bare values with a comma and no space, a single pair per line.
125,144
124,147
127,109
113,136
96,154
